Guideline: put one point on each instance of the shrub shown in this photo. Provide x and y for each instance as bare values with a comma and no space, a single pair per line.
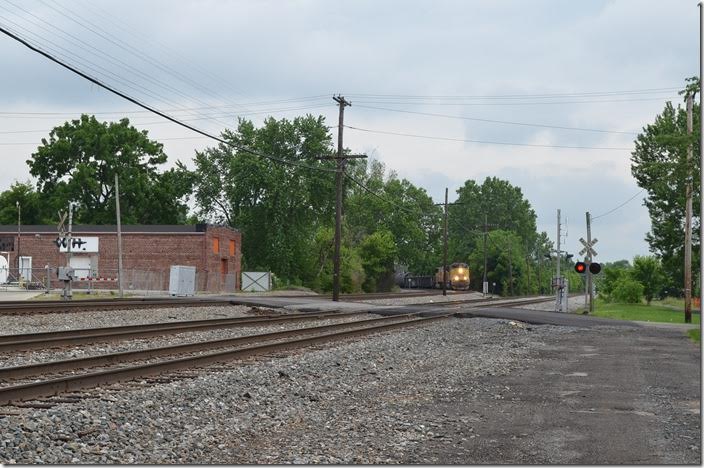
627,290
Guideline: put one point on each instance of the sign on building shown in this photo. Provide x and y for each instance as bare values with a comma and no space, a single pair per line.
78,244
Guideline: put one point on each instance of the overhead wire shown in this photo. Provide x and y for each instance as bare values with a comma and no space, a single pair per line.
487,142
86,24
619,206
155,111
76,41
502,122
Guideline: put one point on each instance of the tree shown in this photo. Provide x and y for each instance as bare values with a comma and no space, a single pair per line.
659,164
378,252
280,208
648,272
400,208
627,290
79,162
33,210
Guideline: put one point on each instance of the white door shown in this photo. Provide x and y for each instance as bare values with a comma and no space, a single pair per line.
3,269
26,268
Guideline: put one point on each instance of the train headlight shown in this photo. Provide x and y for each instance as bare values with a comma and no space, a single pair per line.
465,278
461,270
455,278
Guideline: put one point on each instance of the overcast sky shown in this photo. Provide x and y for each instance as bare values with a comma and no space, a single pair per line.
417,68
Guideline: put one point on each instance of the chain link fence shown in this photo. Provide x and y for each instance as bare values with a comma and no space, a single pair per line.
144,281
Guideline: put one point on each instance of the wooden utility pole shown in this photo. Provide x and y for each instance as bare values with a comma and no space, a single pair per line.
119,238
688,220
338,199
341,159
19,239
444,263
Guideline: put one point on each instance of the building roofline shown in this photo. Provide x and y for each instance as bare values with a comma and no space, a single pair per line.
6,229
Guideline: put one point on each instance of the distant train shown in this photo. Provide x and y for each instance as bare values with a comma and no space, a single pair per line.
457,277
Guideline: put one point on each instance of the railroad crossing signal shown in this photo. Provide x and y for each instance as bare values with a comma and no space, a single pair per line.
582,267
588,247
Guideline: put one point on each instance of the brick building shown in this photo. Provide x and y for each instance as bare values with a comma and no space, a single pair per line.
148,252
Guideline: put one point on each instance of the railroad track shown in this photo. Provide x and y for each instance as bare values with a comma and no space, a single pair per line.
47,307
199,354
43,340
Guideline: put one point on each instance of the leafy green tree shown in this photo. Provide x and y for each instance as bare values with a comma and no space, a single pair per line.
378,252
405,211
31,206
505,264
648,272
280,208
611,273
627,290
79,160
659,164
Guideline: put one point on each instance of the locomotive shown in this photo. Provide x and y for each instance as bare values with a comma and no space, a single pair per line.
457,277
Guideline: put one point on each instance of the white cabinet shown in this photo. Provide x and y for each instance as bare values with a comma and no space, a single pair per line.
182,280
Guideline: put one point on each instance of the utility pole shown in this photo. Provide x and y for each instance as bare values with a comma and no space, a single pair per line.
119,237
68,291
558,300
701,154
588,259
338,199
688,220
485,284
19,237
339,176
444,263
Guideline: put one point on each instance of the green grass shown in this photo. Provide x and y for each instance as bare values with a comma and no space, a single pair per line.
671,302
642,312
695,335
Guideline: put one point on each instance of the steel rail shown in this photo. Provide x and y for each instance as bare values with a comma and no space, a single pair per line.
52,387
92,335
78,306
136,355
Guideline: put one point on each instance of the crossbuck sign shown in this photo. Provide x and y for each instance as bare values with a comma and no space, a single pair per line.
588,247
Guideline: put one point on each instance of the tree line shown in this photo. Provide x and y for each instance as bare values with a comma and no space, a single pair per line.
286,211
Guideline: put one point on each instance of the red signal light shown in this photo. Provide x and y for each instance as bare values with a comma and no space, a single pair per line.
580,267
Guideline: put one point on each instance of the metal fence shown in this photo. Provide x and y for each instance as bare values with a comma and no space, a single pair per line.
144,281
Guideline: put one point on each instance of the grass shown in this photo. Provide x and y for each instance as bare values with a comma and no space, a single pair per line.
695,335
642,312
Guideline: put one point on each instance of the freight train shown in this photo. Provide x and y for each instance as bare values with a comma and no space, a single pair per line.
458,277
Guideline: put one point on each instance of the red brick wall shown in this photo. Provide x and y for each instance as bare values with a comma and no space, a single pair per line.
145,251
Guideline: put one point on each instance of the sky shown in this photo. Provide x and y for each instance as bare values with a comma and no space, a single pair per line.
424,79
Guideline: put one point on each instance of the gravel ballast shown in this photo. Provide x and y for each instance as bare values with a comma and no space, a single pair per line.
418,395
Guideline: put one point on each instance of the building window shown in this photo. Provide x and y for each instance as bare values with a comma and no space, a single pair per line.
223,266
232,248
216,245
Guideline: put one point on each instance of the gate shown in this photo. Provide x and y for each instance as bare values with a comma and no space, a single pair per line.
256,281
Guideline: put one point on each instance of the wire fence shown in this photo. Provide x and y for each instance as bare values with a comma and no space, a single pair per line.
144,281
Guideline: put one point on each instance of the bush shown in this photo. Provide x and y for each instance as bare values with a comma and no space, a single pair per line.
627,290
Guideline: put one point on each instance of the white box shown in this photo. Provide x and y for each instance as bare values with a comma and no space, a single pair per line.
182,280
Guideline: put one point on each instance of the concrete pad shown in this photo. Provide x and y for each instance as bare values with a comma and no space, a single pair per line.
18,295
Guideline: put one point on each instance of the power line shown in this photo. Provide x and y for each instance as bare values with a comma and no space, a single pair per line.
520,96
531,145
619,206
155,111
503,122
460,104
